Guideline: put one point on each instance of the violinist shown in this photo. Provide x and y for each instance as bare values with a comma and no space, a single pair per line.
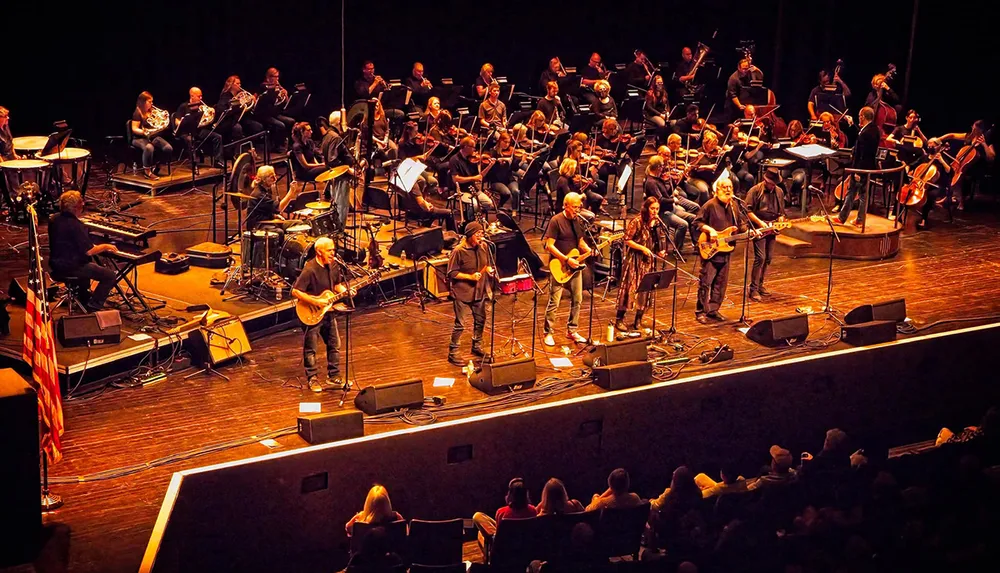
655,185
501,177
838,87
419,147
446,131
593,73
656,109
831,135
757,137
553,73
704,170
467,171
418,206
484,80
493,112
551,105
690,124
908,137
612,139
738,81
587,168
604,106
570,181
639,72
527,149
979,141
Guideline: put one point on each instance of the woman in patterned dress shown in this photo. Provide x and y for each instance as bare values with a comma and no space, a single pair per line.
642,237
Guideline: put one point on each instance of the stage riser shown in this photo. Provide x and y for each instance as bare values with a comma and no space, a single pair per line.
254,517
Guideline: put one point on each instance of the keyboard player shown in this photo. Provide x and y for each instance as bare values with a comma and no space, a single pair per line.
71,251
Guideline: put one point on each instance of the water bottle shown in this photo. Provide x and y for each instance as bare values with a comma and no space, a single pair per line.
135,168
277,291
611,332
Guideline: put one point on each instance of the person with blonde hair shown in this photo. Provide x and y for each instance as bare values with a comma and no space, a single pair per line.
604,106
555,500
377,510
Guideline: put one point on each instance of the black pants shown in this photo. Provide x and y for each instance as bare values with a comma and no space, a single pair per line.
207,142
326,331
462,311
712,282
444,216
105,278
762,250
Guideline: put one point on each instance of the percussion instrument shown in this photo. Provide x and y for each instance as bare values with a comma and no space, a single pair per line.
265,245
318,206
332,174
16,172
243,196
294,255
516,284
300,228
78,162
30,143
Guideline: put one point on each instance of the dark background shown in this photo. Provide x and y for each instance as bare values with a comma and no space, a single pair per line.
87,62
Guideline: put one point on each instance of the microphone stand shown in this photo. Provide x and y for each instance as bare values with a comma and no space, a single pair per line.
347,334
673,305
744,319
590,319
827,309
494,277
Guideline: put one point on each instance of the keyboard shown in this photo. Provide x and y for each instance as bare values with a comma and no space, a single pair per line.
117,229
133,255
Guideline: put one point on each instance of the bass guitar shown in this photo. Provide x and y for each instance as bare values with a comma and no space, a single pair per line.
725,240
310,314
561,272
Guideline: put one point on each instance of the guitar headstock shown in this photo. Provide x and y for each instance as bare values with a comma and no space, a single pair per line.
781,225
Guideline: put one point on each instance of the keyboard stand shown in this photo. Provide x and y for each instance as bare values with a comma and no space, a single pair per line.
130,291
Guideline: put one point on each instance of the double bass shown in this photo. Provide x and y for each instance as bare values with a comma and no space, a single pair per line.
885,114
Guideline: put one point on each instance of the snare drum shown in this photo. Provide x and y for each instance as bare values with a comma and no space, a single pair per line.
300,228
294,255
75,162
19,171
265,246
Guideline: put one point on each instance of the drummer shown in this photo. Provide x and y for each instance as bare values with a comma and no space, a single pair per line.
6,139
267,204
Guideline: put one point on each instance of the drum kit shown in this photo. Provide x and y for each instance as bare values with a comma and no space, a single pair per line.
42,178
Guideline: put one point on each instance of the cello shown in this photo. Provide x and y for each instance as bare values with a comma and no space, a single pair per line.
966,155
885,114
914,193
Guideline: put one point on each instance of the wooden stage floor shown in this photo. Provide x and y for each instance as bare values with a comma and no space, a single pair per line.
947,273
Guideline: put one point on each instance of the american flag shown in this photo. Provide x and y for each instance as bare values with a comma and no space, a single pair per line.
40,349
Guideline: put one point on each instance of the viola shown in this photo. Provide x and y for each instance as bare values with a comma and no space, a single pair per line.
964,158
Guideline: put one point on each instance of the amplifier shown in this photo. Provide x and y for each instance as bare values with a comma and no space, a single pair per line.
436,278
103,327
499,376
392,396
623,375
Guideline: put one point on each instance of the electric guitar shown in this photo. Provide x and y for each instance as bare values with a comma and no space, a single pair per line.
726,239
310,314
561,272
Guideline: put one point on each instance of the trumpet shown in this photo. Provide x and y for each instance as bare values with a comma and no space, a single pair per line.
158,120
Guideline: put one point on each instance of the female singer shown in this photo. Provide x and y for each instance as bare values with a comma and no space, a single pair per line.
642,236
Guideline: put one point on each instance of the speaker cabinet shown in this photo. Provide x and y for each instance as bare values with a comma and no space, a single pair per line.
499,376
18,290
623,375
331,426
436,278
872,332
894,310
778,331
628,350
20,495
104,327
392,396
220,342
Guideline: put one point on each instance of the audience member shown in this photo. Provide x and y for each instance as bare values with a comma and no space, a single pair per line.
518,507
376,556
617,494
555,500
377,510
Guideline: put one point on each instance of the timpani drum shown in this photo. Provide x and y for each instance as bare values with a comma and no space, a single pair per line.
75,162
16,172
30,144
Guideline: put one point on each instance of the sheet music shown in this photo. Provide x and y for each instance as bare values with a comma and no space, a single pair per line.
810,151
623,179
407,173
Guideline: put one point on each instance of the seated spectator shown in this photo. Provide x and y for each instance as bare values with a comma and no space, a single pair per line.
682,491
555,500
667,511
377,510
780,473
518,507
987,428
617,494
376,556
732,482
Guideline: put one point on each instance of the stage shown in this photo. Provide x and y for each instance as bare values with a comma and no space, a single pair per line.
948,273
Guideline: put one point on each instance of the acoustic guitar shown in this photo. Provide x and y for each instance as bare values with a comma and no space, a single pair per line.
310,315
726,239
561,272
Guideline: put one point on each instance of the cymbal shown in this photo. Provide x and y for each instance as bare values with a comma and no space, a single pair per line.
273,222
332,173
318,205
240,195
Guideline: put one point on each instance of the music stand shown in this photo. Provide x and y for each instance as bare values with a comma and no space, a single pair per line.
809,153
827,101
652,282
189,127
57,141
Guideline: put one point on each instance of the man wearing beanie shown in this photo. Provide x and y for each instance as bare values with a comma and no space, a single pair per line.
468,269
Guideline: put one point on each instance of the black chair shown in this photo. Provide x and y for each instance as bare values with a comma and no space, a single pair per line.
454,568
436,543
519,541
395,531
563,529
620,530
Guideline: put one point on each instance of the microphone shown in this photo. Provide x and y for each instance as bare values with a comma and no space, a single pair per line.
816,189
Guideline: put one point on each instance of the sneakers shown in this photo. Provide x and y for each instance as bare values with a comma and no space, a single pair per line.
577,337
335,382
701,318
716,316
548,340
620,327
314,385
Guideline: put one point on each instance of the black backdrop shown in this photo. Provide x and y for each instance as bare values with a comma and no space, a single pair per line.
87,62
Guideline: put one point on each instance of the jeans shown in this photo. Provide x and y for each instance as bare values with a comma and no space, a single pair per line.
485,203
462,310
327,331
678,224
506,191
149,149
712,283
575,286
683,205
341,198
208,142
698,190
762,250
854,191
104,276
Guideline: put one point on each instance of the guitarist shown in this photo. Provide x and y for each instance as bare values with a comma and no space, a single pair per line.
717,214
468,266
564,233
765,205
321,279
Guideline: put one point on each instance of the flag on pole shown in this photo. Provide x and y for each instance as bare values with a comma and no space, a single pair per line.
40,349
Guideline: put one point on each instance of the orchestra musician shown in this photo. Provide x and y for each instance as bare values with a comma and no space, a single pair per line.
7,151
656,109
551,105
431,113
468,175
142,138
584,178
418,84
564,233
697,185
267,203
279,125
738,81
71,251
469,270
369,85
553,73
320,280
657,187
334,151
604,105
796,136
385,146
909,131
979,138
233,124
889,97
642,239
832,136
638,72
758,135
765,204
484,80
717,214
418,207
444,128
211,140
685,72
419,147
839,87
863,157
934,194
307,162
593,73
501,177
492,111
690,124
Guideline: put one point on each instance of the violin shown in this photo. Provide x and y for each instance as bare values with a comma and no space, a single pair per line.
965,157
914,193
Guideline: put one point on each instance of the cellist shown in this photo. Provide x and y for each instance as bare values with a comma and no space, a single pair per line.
979,140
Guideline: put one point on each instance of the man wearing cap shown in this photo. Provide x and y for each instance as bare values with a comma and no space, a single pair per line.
765,205
780,474
715,216
468,266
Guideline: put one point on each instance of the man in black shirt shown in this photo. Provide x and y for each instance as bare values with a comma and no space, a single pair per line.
320,281
71,250
204,136
593,73
656,186
419,85
279,126
838,87
237,121
468,269
637,72
738,81
717,214
369,85
564,233
265,204
683,71
687,125
551,105
553,73
468,177
863,157
765,204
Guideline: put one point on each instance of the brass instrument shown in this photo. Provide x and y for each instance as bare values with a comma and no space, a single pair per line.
207,115
245,100
282,97
158,120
